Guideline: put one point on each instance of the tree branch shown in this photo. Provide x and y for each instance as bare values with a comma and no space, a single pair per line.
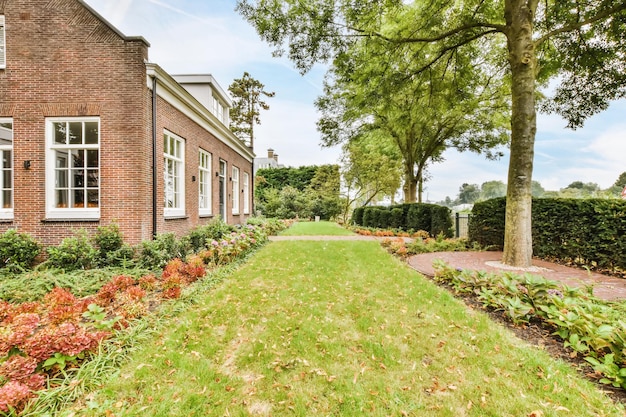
577,25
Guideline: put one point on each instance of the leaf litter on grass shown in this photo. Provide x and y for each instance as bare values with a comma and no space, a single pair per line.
341,328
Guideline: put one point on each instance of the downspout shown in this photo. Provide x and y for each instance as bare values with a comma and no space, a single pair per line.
154,157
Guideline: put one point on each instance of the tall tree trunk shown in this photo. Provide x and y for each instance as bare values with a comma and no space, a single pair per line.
410,184
523,62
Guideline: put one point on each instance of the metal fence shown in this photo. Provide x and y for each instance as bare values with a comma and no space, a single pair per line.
461,221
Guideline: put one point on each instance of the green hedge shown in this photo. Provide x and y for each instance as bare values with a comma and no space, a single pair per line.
432,218
585,231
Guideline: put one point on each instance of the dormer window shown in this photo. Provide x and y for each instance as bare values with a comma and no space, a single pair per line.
219,110
3,55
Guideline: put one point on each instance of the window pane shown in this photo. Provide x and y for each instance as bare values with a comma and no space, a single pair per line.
61,159
6,159
92,159
166,148
6,179
61,196
61,179
92,178
93,198
7,197
60,130
79,198
6,134
78,178
76,133
78,158
91,133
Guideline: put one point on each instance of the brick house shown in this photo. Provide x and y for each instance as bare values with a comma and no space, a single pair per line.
92,133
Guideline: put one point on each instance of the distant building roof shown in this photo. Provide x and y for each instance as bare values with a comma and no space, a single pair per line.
270,162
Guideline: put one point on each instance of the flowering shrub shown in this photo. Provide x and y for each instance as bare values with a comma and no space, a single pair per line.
40,339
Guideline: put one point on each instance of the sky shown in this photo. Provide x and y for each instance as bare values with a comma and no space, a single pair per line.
209,37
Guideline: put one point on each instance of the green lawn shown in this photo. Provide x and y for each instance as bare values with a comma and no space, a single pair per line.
328,328
316,228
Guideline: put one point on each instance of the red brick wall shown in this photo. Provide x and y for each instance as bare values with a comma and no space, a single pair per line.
196,138
63,61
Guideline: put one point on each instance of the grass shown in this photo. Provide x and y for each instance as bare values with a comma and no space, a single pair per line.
319,328
316,228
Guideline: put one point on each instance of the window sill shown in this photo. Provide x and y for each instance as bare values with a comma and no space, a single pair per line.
65,220
205,215
176,217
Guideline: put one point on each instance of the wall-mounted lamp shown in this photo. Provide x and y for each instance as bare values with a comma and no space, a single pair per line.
193,178
230,178
26,164
217,174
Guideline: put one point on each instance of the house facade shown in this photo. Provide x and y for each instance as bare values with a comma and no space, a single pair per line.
92,133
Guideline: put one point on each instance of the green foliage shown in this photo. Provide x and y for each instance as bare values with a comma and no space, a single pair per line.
33,285
157,253
247,94
201,236
17,251
288,193
589,232
587,325
357,216
112,251
73,253
98,317
435,220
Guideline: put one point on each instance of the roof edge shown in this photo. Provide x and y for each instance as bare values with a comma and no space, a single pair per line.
113,28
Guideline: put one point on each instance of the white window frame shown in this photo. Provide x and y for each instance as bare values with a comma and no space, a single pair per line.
63,213
246,193
3,48
177,174
205,196
6,208
235,180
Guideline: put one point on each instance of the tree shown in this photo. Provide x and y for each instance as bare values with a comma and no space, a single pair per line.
469,193
537,189
247,94
371,170
581,41
618,186
420,115
492,189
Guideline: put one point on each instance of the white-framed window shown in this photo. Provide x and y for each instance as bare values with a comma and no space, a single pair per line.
235,179
73,168
246,193
218,110
3,51
204,178
6,168
174,175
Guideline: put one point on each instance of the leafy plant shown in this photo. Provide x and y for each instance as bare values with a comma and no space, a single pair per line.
17,251
73,253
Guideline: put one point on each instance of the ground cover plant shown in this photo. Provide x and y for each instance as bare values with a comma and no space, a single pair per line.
588,327
317,328
43,342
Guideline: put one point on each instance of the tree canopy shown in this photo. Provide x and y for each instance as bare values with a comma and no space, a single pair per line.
247,94
581,41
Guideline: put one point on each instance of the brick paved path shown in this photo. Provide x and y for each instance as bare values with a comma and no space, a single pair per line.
605,287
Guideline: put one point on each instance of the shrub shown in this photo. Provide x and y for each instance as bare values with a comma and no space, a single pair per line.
112,251
73,253
17,251
201,235
384,217
157,253
357,216
396,218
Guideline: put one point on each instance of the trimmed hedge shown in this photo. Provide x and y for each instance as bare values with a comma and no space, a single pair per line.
432,218
584,231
